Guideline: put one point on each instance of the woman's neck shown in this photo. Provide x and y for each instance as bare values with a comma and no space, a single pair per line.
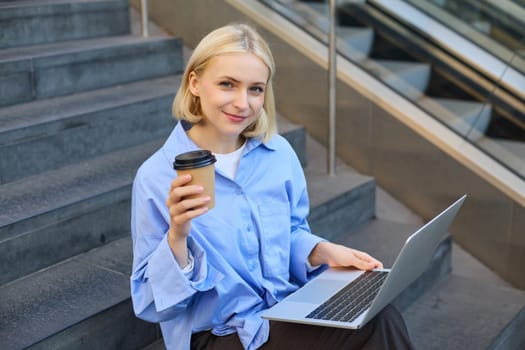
213,142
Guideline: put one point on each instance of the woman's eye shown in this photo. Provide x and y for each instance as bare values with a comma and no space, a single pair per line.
226,84
257,89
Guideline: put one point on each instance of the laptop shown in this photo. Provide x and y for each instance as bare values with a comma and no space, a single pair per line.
349,298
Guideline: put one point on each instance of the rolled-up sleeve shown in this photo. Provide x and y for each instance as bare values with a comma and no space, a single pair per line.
159,287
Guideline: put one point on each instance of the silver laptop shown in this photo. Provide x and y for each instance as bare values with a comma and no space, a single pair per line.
349,298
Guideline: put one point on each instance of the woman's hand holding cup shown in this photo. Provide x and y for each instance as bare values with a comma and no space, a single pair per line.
191,195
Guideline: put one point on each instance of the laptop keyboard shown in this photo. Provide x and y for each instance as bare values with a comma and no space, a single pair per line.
350,301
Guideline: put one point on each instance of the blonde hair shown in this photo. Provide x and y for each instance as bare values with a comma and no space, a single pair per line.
233,38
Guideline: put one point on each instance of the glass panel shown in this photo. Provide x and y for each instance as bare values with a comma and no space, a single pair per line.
479,109
498,26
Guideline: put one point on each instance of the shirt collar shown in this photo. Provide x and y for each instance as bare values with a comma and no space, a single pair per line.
179,141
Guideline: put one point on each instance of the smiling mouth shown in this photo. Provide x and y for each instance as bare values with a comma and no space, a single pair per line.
234,117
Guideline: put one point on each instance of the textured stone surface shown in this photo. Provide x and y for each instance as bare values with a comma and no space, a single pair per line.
54,299
93,68
67,211
47,134
36,22
296,135
338,203
67,165
116,256
113,328
82,303
59,240
65,68
62,187
461,313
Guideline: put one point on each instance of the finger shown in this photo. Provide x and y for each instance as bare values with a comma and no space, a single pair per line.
180,208
379,264
179,193
374,263
365,261
366,257
189,204
188,215
364,265
180,181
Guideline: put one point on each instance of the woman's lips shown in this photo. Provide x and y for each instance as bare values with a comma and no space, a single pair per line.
234,118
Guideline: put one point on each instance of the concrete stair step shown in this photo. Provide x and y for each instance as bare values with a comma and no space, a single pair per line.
338,203
156,345
469,118
296,136
32,22
46,134
67,211
58,69
461,313
80,303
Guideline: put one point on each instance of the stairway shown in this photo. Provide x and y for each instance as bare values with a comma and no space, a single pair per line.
82,104
96,102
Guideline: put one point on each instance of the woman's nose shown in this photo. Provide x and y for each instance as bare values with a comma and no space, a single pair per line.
241,99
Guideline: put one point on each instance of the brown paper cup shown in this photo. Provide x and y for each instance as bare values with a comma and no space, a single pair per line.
200,164
205,177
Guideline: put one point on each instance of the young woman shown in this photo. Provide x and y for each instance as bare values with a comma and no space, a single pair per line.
206,275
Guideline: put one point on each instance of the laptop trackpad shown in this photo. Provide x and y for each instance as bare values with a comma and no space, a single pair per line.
317,290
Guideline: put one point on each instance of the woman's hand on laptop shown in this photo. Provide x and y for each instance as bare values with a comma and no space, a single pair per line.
339,255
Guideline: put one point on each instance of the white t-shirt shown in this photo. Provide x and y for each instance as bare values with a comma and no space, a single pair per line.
229,163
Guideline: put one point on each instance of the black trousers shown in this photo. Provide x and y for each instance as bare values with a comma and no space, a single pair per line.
386,331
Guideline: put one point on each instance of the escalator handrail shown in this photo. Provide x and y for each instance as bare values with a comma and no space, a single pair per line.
498,70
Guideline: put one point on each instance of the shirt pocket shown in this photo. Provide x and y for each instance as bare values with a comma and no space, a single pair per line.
275,238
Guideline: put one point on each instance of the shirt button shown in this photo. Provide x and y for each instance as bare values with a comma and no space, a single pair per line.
249,228
238,192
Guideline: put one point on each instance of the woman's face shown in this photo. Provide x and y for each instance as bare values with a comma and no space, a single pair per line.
231,90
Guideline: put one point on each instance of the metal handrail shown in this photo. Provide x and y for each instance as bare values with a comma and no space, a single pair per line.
332,82
144,18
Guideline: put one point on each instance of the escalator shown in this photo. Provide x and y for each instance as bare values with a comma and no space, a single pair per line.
415,48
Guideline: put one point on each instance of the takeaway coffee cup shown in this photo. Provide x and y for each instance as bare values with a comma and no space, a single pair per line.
200,164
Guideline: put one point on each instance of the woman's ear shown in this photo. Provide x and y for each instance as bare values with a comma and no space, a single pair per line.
193,83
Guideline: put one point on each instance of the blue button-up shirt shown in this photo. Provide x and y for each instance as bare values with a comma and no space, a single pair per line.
250,251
